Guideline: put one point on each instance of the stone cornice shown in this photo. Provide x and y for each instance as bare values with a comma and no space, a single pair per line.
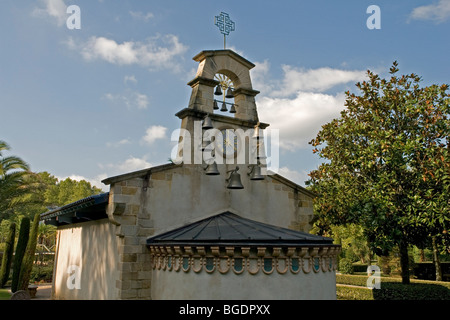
189,112
203,80
209,53
245,258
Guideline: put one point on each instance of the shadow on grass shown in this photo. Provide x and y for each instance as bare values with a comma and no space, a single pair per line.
413,291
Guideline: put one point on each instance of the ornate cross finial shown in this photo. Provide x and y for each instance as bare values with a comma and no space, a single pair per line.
225,25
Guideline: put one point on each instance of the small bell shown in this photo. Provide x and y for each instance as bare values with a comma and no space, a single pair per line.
256,173
229,94
232,109
224,107
211,169
216,107
234,182
218,91
207,123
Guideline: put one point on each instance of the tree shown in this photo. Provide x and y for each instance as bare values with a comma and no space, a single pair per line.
387,163
12,173
68,191
7,255
21,247
28,259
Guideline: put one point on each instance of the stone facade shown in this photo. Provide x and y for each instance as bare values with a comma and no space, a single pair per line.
155,200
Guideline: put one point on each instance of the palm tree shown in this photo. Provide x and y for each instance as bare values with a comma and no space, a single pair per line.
12,173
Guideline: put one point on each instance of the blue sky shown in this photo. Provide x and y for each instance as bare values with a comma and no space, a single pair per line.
101,100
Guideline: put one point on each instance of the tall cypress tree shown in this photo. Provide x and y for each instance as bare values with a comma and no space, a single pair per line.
7,255
27,263
21,247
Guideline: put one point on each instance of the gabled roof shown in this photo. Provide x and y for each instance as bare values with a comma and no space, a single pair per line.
230,229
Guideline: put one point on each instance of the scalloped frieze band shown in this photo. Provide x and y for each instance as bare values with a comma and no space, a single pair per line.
241,259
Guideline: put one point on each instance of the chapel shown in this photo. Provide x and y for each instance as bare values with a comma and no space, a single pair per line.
213,223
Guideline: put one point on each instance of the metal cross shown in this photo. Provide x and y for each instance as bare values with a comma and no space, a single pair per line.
225,25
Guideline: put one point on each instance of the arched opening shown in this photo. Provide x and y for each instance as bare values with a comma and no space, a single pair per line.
224,92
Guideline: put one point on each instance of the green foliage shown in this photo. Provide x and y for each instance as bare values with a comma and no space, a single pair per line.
68,191
387,164
28,259
41,273
21,247
13,171
346,266
7,255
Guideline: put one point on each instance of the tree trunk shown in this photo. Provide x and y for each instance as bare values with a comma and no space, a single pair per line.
404,261
437,263
422,255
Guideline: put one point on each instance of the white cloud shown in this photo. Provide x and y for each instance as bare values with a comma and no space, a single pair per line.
139,15
322,79
159,52
141,100
131,99
128,165
293,175
437,12
154,133
131,78
132,164
260,77
299,104
118,143
299,119
56,9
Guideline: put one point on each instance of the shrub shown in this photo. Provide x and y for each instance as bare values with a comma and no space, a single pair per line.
7,255
346,266
29,257
21,247
41,273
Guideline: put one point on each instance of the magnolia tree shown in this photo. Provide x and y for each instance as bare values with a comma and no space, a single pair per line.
387,164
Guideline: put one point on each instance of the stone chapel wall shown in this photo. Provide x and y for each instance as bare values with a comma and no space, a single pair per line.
147,205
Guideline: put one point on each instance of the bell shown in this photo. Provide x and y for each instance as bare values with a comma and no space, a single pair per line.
216,107
224,107
229,94
211,169
207,123
232,109
218,91
234,182
256,173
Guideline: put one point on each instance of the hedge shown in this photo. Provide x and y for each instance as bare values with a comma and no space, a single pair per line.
391,289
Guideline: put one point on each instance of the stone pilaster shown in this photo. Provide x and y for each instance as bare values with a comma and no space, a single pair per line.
125,209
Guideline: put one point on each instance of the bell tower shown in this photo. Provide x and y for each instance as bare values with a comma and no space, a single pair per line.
223,99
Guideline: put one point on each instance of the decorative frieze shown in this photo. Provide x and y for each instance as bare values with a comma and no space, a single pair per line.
244,259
